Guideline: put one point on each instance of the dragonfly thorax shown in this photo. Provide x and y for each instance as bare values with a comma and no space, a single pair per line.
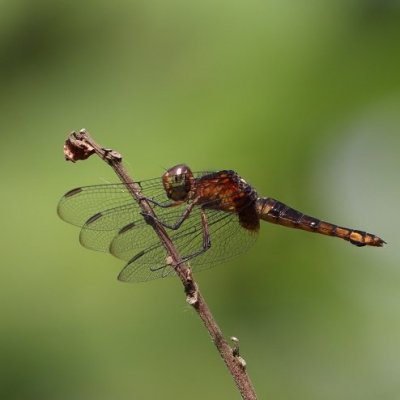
178,182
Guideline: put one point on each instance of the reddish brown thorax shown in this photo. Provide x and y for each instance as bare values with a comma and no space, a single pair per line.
223,190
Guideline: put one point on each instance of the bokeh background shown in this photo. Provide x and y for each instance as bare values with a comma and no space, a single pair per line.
301,98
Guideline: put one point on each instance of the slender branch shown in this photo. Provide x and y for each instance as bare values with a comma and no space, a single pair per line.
80,146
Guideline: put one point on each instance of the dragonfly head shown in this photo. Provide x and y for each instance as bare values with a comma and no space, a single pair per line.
178,182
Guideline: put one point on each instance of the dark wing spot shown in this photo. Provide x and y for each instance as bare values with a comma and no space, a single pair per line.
93,218
126,228
137,256
73,192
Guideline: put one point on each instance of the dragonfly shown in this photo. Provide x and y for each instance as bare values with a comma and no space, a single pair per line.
210,217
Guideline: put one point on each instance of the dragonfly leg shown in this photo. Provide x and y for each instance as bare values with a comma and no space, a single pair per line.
205,245
206,238
164,204
180,220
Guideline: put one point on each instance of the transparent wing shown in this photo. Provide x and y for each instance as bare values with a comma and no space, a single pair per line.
112,202
131,229
121,245
111,220
228,239
80,204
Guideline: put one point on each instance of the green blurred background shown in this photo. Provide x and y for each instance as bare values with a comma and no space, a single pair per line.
301,98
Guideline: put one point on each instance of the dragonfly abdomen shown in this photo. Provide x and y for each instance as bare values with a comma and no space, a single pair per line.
274,211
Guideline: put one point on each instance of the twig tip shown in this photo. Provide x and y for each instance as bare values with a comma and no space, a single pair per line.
76,147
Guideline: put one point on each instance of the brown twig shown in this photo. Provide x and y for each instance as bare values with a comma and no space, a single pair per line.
80,146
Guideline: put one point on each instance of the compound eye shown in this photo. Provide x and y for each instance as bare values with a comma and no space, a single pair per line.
178,182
